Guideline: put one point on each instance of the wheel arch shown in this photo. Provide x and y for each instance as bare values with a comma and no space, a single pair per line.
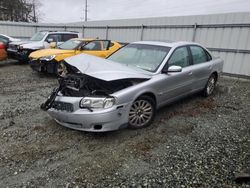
216,75
149,94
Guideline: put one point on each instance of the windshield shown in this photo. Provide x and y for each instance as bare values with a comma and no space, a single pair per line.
70,44
147,57
38,36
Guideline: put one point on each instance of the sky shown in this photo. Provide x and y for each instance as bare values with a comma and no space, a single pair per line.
66,11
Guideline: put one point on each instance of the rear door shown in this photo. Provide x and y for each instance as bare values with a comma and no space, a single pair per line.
201,65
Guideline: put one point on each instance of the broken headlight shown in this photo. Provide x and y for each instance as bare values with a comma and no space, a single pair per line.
47,58
97,102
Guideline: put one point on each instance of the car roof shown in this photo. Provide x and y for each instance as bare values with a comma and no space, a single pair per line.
82,39
170,44
70,32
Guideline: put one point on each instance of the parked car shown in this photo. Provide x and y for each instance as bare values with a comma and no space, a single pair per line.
22,49
48,60
129,86
3,54
7,39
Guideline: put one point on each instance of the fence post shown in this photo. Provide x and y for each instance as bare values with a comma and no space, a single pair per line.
107,32
65,28
83,32
142,28
194,32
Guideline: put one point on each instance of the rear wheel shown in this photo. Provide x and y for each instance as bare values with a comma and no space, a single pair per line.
210,86
142,112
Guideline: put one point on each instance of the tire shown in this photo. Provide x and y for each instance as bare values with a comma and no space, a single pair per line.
142,112
210,86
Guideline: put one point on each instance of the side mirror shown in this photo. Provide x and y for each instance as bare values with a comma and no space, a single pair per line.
52,45
172,68
49,40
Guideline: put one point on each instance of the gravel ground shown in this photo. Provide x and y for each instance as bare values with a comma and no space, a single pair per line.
196,142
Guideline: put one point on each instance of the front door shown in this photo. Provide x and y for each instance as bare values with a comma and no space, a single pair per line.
177,84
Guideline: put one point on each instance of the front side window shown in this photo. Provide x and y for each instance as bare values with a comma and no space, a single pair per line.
38,36
70,45
143,56
199,55
179,58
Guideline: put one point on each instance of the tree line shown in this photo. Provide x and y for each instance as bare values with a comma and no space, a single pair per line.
19,10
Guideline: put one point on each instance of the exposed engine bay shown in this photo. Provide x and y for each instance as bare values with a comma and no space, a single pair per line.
80,85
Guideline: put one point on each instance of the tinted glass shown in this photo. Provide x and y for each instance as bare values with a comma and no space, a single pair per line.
199,55
69,36
147,57
179,57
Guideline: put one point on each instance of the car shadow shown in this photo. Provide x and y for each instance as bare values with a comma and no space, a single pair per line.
9,62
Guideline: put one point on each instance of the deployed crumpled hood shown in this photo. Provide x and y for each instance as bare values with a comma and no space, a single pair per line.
105,69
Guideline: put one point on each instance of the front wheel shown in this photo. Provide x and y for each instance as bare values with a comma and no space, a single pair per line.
142,112
210,86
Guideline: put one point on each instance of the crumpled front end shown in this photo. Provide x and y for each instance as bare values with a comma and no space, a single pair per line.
44,66
87,102
66,112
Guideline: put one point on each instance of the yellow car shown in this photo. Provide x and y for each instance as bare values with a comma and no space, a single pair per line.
47,60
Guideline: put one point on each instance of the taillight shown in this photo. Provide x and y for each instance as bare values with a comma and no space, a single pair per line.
2,46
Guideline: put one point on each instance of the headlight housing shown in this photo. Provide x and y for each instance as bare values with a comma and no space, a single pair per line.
97,102
47,58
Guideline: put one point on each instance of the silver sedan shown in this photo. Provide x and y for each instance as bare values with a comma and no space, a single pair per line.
128,87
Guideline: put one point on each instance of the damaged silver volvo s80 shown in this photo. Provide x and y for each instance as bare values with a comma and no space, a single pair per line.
129,86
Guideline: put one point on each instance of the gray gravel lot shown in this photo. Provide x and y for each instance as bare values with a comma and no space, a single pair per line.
197,142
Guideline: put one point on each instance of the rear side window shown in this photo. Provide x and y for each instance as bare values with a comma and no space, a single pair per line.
199,55
179,58
55,37
66,37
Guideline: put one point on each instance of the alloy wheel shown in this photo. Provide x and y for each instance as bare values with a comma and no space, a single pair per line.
141,113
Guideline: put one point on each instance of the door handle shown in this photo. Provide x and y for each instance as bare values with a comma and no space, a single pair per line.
190,73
